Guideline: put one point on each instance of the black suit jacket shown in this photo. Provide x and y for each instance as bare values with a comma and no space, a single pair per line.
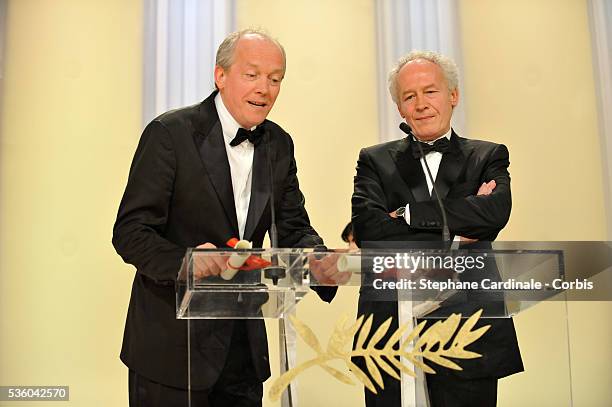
388,176
179,195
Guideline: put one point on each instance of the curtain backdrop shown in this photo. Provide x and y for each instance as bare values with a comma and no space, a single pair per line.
404,25
180,42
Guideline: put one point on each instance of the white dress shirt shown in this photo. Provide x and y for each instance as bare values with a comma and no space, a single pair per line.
240,161
433,160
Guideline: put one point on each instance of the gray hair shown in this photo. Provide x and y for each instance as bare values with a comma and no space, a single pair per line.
225,53
448,66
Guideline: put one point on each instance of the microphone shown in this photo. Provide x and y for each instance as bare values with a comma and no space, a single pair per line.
273,231
445,232
274,271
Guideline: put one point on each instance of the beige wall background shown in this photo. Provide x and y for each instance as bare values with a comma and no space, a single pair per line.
529,84
70,122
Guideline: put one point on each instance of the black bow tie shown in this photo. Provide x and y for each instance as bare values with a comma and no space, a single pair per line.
254,136
441,146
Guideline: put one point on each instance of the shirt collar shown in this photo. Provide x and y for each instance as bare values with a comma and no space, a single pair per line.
447,135
229,125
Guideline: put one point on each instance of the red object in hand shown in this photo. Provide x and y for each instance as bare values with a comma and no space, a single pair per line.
252,262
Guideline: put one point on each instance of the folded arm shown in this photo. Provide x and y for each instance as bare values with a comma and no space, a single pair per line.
474,216
370,214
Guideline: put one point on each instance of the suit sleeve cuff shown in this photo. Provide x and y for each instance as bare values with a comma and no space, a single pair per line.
407,214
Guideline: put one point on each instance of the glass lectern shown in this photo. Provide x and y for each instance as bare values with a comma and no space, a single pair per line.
441,284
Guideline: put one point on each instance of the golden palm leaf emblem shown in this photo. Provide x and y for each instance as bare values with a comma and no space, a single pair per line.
440,343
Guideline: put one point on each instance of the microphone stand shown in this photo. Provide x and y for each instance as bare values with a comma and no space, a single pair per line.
274,271
445,231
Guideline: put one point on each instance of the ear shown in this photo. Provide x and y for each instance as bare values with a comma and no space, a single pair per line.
219,77
454,97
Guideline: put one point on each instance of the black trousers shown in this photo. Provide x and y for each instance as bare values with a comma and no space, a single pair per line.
238,385
444,391
454,392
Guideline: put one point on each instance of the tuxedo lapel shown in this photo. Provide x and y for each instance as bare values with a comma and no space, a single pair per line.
411,171
214,159
260,187
450,167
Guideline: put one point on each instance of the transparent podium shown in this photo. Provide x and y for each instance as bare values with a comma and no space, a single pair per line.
452,288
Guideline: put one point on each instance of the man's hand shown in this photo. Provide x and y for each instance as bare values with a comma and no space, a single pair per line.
326,270
206,265
485,189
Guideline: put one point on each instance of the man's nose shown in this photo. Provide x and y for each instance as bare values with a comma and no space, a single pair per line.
262,85
420,103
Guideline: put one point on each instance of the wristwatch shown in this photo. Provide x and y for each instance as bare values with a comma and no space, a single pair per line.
401,211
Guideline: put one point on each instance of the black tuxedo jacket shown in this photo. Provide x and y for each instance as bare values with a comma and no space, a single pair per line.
388,177
179,195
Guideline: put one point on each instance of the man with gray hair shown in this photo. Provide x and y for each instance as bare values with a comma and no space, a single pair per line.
200,176
393,202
